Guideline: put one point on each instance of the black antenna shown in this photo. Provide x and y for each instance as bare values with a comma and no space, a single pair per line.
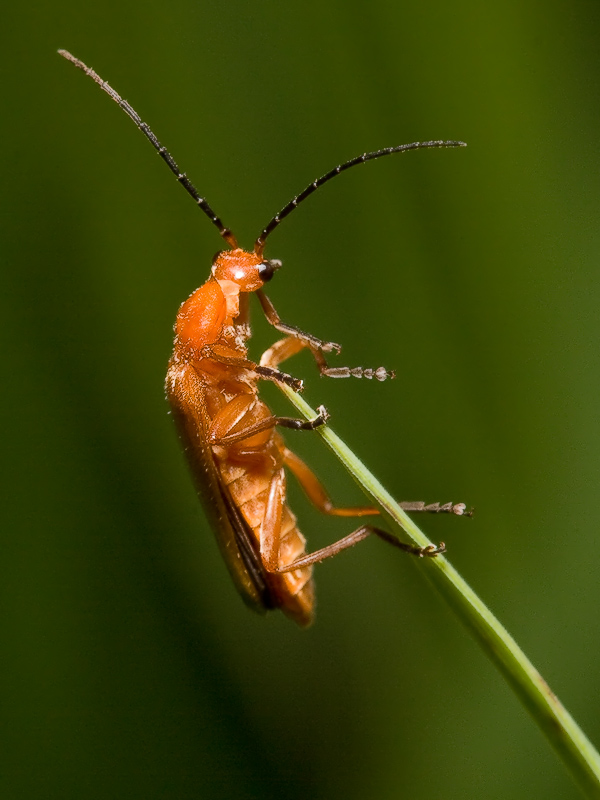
162,151
312,187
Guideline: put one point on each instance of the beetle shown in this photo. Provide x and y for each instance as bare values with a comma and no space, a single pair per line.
237,457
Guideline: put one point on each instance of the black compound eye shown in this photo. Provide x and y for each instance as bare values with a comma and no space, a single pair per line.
267,269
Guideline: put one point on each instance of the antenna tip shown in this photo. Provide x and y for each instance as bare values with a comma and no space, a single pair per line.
69,56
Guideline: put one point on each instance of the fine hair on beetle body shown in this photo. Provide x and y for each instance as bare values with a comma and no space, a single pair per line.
237,457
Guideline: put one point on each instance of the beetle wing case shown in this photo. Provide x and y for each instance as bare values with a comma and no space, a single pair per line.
185,393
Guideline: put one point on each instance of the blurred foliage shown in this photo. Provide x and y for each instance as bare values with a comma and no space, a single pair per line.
131,668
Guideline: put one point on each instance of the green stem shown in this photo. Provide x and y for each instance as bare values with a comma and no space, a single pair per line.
571,744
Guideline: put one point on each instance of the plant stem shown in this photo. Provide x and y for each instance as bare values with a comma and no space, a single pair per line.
567,738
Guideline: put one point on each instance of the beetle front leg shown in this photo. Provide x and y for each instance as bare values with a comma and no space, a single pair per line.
275,320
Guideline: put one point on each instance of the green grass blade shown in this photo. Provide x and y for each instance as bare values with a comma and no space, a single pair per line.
567,738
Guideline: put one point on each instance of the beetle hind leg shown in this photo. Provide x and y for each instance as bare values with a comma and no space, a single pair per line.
430,551
282,546
238,413
316,493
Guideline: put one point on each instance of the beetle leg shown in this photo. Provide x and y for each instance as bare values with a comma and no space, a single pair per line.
288,347
280,543
282,350
460,509
270,536
275,320
357,536
316,493
270,529
268,372
275,375
235,411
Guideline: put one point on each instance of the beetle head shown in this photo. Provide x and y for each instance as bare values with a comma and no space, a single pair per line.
248,270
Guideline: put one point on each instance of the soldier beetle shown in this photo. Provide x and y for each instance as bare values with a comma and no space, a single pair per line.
236,456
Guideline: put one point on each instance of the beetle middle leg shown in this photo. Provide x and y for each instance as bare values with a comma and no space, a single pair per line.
288,347
317,494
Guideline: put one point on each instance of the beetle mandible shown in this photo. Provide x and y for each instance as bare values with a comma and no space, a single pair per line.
235,453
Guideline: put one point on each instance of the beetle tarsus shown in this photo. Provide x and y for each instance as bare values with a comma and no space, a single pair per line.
429,551
297,384
380,374
324,415
330,347
432,550
304,424
418,506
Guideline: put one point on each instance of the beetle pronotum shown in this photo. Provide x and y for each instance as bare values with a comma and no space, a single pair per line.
236,456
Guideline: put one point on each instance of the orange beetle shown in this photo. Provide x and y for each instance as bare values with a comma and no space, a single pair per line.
235,454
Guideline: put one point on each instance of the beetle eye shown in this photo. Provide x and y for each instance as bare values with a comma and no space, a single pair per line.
267,269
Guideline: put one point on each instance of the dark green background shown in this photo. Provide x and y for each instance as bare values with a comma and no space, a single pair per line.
131,668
